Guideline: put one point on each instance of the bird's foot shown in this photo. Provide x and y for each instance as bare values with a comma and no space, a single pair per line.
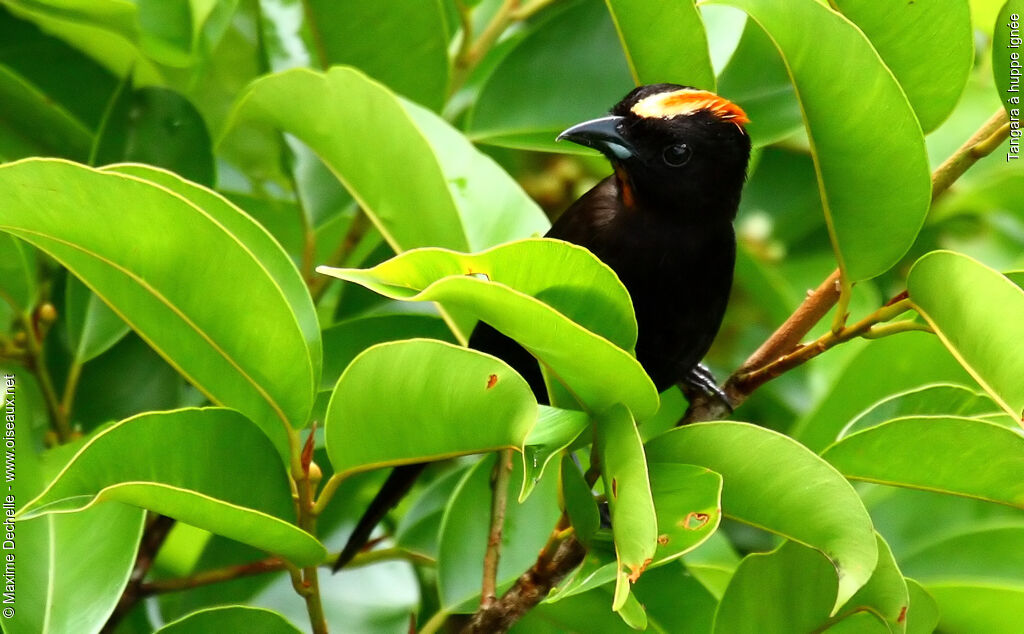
700,381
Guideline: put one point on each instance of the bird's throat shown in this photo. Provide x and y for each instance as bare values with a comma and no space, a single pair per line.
626,192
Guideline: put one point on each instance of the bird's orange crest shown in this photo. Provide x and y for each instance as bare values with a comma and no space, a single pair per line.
687,101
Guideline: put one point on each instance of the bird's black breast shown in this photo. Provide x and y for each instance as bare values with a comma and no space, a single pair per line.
677,268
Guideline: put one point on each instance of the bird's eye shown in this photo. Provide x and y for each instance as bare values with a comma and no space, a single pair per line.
676,155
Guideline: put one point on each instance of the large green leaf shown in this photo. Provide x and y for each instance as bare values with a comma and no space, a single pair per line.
345,340
416,400
92,327
543,293
885,594
664,42
173,270
756,79
879,369
774,483
569,68
976,312
221,474
928,46
465,529
157,126
69,570
791,589
937,399
959,456
230,618
555,430
1006,68
976,578
31,123
628,489
18,272
923,615
419,179
401,43
866,142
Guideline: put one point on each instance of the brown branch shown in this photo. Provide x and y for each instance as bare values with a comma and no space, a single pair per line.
499,502
152,539
561,555
982,143
208,577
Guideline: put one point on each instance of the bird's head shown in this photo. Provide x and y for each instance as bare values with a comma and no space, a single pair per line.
673,148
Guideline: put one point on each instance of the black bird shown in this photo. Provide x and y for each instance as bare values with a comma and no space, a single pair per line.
662,221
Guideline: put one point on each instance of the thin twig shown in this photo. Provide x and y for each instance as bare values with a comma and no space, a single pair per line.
982,143
560,555
35,345
153,538
499,500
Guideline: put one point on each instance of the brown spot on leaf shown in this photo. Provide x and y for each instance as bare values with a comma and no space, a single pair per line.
636,571
694,521
492,381
615,488
903,615
662,539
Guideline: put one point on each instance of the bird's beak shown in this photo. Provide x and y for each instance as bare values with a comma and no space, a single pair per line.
601,134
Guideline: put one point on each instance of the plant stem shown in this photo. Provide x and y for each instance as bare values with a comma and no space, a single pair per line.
982,143
70,386
217,575
747,383
355,233
37,359
499,501
472,52
310,581
153,538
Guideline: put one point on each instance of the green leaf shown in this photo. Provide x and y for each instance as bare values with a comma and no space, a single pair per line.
229,482
885,594
975,577
809,501
864,136
72,569
938,399
105,31
160,127
402,44
92,327
958,456
230,618
975,312
688,504
966,608
579,501
756,79
421,182
18,272
345,340
993,556
411,401
923,615
1006,68
31,123
880,368
555,430
791,589
928,46
547,295
664,42
568,69
205,328
69,570
626,484
465,529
